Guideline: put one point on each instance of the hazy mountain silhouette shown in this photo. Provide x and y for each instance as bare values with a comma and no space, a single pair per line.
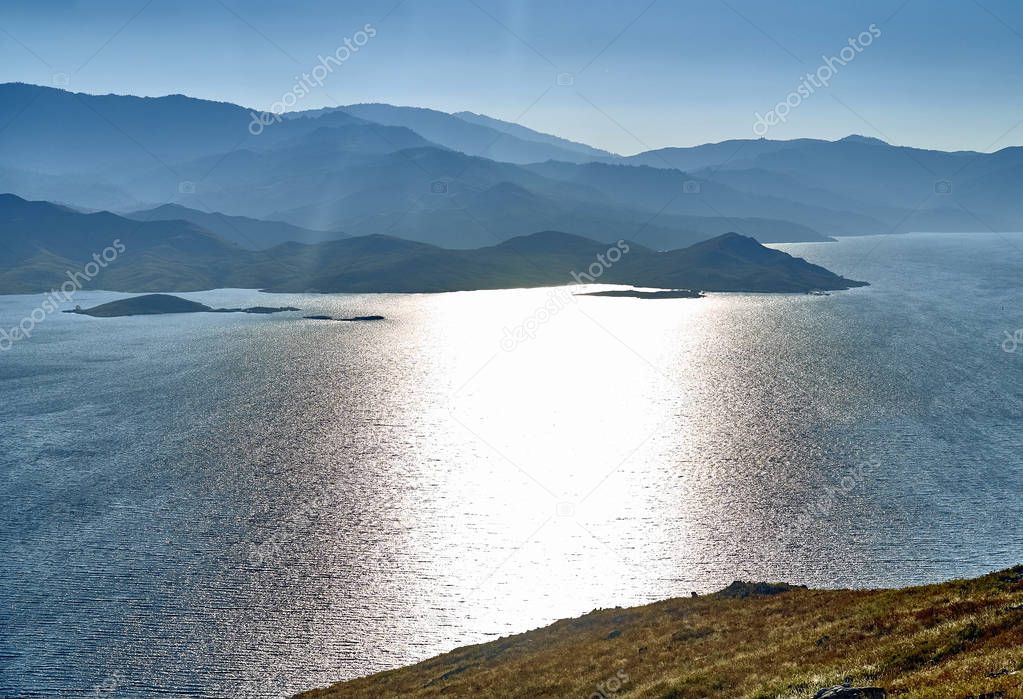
904,189
453,200
45,242
377,168
672,192
42,243
59,132
246,232
711,155
474,135
528,134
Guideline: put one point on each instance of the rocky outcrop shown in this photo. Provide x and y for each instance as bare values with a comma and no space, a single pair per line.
742,590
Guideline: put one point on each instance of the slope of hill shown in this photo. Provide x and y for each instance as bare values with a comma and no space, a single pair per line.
759,641
324,138
467,218
726,263
528,134
735,152
905,189
251,233
471,136
44,241
421,173
57,132
84,189
673,192
366,169
873,173
448,198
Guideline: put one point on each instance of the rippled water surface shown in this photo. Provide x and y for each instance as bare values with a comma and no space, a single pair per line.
240,505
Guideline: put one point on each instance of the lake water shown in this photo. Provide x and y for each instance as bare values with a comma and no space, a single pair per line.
239,505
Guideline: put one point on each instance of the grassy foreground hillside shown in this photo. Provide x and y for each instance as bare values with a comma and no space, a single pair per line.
955,640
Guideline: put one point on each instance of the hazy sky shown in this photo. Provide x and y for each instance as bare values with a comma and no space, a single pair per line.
941,73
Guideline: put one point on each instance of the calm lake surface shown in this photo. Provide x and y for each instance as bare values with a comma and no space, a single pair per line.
239,505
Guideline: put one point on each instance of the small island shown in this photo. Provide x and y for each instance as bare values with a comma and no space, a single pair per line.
638,294
161,304
352,319
255,309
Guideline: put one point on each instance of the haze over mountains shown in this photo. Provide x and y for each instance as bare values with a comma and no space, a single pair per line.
247,232
467,180
44,241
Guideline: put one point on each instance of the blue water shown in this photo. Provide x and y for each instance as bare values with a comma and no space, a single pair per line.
236,505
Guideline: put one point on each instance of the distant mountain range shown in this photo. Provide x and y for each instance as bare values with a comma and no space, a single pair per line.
44,243
377,197
905,189
473,134
467,180
247,232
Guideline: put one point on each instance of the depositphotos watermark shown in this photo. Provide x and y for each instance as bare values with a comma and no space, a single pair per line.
275,545
602,263
52,300
611,686
560,297
1012,341
556,301
305,83
828,499
107,687
813,81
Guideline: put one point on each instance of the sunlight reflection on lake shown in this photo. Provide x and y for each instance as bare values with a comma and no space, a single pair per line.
207,502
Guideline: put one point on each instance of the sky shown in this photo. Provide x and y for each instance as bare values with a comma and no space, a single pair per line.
624,76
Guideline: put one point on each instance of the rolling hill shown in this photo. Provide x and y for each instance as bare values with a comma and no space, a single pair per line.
474,135
465,180
902,189
956,639
45,241
251,233
363,169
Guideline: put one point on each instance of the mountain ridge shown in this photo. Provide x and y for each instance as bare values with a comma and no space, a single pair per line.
256,234
432,176
44,241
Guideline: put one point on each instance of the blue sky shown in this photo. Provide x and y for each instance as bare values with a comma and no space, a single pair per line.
942,73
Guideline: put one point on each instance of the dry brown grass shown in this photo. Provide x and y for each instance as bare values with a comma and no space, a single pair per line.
954,640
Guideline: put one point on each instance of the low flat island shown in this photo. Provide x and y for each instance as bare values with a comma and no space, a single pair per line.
639,294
